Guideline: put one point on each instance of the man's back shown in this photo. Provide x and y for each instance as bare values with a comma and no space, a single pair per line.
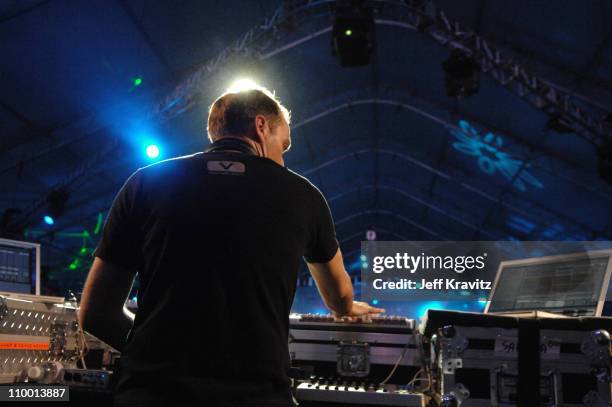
218,240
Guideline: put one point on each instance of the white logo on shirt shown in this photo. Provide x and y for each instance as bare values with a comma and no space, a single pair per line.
226,167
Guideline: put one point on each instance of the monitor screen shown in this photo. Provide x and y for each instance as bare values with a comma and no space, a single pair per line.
18,267
572,286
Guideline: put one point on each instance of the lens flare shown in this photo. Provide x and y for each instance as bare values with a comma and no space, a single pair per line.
242,85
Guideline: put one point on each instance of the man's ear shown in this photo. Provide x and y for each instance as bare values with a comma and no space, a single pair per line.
261,128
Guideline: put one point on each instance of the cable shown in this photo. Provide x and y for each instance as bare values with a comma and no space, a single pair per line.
424,365
396,364
80,333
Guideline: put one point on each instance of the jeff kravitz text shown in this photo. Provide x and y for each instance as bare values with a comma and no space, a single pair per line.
406,263
436,284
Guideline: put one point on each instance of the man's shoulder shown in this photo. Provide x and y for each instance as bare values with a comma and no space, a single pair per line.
303,182
170,166
289,175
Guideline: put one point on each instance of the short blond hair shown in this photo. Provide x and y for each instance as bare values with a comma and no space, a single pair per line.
233,113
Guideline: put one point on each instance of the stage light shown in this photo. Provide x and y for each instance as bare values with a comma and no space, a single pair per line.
48,220
371,234
374,301
363,258
462,75
137,82
353,34
152,151
492,157
242,84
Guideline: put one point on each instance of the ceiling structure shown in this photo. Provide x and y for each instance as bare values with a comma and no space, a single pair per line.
85,87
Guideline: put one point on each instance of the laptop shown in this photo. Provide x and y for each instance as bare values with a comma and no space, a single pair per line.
553,286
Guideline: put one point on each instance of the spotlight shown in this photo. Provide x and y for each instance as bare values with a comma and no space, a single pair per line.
462,75
604,162
56,202
152,151
353,34
559,124
371,234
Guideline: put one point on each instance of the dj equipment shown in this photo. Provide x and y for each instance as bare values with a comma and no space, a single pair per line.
57,373
570,284
352,360
19,266
89,379
41,342
36,330
494,360
355,392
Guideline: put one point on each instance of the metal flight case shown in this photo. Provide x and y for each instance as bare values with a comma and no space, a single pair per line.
345,362
477,360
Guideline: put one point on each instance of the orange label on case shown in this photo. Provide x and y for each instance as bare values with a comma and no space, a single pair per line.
25,345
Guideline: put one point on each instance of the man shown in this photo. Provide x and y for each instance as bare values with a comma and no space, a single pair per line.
217,239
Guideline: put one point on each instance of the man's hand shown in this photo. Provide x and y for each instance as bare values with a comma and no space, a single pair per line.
336,289
363,308
360,311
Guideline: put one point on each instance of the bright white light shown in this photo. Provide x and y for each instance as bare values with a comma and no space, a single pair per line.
152,151
242,84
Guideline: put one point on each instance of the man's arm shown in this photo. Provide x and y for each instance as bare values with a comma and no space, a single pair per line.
336,289
102,311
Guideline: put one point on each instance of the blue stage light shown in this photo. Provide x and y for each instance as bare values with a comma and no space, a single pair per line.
48,220
152,151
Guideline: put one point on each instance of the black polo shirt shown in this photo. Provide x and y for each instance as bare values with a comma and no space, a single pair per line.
217,240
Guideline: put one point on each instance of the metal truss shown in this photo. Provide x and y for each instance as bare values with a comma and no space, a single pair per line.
297,21
420,15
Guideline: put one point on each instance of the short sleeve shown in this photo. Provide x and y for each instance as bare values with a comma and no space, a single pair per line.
121,239
323,244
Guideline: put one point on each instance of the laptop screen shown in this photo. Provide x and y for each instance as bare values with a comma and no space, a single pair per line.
572,286
18,268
